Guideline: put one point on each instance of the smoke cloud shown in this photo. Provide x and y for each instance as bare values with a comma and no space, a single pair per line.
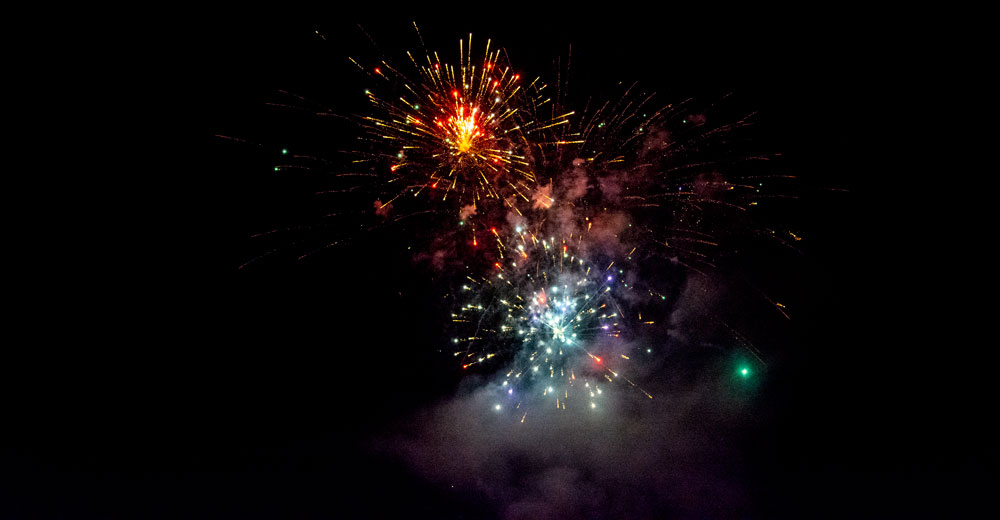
675,455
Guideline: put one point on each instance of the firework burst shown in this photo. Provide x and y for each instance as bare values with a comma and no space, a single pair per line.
549,320
464,132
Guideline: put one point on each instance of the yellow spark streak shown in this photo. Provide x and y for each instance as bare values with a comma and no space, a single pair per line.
551,125
390,201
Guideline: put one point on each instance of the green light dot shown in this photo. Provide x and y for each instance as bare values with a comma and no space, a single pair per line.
745,372
416,107
684,121
284,151
275,168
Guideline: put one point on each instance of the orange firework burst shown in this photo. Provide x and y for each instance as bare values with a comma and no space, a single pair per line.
465,131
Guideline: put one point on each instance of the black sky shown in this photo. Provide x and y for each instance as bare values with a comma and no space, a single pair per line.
196,389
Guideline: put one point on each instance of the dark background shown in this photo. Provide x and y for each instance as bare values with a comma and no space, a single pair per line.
161,381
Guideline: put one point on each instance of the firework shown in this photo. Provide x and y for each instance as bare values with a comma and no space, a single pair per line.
465,132
548,321
687,176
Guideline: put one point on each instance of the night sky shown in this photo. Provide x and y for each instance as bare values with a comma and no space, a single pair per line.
171,383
